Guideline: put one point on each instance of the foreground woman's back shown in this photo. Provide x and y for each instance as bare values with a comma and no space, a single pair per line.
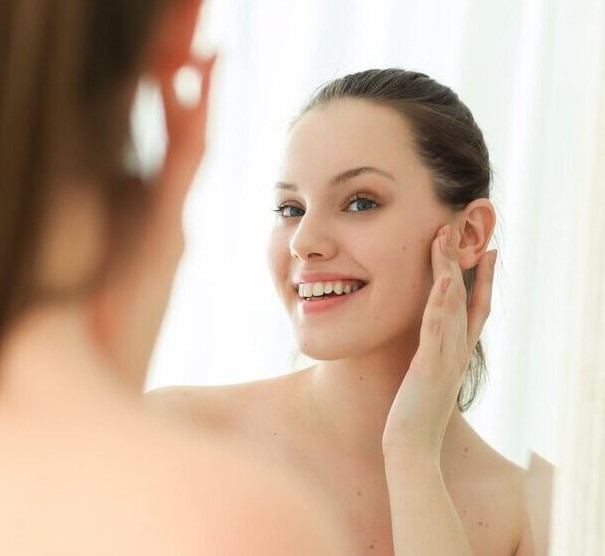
85,471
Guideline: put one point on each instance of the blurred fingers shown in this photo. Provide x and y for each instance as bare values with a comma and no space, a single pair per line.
186,116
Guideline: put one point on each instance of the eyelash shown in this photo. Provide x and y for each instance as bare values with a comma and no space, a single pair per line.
362,197
279,210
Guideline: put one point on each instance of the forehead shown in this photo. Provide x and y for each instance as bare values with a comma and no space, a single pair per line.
347,134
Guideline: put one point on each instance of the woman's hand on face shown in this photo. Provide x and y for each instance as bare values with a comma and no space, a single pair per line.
449,332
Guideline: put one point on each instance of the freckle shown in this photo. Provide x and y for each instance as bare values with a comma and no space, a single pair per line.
371,547
358,493
466,449
360,378
274,434
480,524
404,248
464,511
414,286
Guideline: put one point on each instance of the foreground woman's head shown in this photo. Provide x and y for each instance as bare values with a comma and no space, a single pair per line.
376,163
68,205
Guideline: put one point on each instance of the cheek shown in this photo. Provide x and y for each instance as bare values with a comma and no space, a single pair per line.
402,279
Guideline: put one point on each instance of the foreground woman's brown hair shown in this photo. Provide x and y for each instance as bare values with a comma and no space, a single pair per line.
87,256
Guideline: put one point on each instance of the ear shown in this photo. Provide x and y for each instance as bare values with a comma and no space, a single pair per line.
475,225
170,46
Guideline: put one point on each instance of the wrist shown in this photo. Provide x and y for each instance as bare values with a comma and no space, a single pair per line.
410,455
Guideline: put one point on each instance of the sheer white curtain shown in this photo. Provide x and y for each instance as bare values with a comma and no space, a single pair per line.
524,80
579,504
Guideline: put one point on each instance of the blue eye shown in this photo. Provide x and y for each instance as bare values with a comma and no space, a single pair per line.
288,211
361,204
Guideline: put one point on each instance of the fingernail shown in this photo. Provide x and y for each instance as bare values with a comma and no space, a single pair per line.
187,83
443,243
212,60
444,239
494,257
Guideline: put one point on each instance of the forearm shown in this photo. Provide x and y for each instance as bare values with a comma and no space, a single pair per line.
424,519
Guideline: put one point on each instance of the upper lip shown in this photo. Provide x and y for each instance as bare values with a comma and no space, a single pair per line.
305,277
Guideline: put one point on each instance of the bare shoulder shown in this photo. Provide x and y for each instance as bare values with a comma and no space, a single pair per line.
222,489
524,497
490,493
539,486
225,408
117,480
277,516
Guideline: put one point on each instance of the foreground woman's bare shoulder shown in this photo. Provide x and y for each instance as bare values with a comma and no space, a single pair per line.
226,408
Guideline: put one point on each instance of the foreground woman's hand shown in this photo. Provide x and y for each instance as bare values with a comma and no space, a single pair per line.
423,515
132,300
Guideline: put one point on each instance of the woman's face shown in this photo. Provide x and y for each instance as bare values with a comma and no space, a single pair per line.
356,212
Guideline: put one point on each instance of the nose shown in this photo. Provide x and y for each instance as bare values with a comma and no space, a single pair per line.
312,239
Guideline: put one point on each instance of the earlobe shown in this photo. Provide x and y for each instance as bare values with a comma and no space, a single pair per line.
476,226
171,43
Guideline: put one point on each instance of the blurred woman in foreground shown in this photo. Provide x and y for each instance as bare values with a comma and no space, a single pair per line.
87,256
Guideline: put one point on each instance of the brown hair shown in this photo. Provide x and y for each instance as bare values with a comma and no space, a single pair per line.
448,142
66,71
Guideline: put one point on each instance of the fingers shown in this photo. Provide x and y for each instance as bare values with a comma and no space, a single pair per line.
439,253
187,122
472,317
480,303
431,330
186,130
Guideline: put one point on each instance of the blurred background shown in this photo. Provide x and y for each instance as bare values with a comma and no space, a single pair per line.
529,70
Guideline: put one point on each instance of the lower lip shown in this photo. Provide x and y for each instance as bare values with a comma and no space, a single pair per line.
327,303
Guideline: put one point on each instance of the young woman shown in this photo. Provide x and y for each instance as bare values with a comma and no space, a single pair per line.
87,255
379,254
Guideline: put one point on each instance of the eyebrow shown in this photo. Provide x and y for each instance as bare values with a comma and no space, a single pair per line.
342,177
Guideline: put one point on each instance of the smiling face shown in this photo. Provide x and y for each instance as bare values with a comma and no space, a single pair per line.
356,212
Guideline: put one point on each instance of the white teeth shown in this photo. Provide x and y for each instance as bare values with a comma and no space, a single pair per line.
307,289
319,289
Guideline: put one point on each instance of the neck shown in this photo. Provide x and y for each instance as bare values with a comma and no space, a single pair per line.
49,358
353,396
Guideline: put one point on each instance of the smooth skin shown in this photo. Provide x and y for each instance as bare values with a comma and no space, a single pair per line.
374,426
85,467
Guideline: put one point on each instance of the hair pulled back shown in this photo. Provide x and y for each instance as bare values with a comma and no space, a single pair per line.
67,68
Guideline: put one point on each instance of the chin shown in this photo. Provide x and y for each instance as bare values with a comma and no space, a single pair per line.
335,343
331,347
